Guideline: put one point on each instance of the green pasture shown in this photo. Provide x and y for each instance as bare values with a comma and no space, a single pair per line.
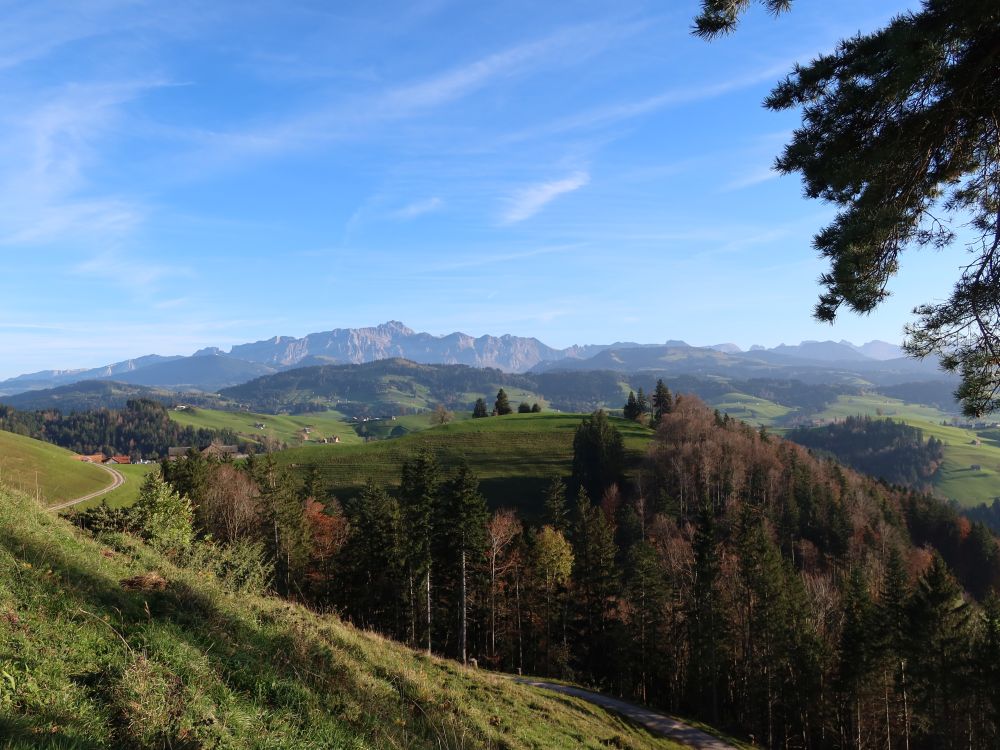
46,471
515,456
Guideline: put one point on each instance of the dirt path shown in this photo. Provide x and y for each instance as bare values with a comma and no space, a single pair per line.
652,720
118,481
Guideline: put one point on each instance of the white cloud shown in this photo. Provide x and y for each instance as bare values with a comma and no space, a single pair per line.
751,179
48,149
530,200
419,208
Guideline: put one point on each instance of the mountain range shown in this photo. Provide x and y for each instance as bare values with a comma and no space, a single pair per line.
212,368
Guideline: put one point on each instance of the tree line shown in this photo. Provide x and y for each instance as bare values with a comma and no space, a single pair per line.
893,451
735,578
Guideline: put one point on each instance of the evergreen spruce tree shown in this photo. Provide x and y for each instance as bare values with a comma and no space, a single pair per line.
595,574
857,653
706,621
556,509
938,645
376,556
642,402
502,405
631,408
419,496
598,455
524,408
663,402
463,526
479,410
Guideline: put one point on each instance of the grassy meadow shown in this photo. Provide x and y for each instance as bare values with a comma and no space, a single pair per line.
286,428
515,456
108,644
963,448
48,471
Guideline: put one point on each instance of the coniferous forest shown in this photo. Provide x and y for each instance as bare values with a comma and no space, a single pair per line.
736,579
143,429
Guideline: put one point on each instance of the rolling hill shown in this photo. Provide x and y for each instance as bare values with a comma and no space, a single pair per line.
46,471
116,646
515,457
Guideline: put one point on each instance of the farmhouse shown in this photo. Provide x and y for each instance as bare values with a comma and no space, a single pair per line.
120,460
93,458
218,451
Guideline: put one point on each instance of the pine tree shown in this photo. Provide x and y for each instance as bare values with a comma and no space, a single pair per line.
642,402
938,644
706,623
376,556
479,410
164,516
595,574
899,132
524,408
598,455
502,405
663,402
463,528
556,509
857,653
631,408
419,496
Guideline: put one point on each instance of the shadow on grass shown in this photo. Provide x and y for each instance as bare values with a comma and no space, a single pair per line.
283,664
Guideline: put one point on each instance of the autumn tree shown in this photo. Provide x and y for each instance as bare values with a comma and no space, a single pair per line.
552,563
441,415
502,533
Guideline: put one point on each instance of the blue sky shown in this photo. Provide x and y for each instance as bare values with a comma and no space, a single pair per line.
177,175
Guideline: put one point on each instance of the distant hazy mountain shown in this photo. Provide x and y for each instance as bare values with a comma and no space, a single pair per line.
51,378
822,351
881,350
211,368
393,339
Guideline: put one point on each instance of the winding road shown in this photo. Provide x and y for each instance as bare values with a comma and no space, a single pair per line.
118,481
652,720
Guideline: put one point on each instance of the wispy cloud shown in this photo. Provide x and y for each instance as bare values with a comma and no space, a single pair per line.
749,180
528,201
419,208
48,149
489,260
614,113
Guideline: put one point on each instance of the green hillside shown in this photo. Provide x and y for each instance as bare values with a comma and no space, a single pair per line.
285,428
963,448
111,645
515,456
128,493
50,472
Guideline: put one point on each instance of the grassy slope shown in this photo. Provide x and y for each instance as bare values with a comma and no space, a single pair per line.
956,479
26,463
757,411
86,664
284,427
514,456
128,493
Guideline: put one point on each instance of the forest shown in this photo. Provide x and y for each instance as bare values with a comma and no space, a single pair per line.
143,429
893,451
739,580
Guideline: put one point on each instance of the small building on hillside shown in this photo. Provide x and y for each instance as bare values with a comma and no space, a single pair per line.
120,460
93,458
976,467
215,450
177,451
